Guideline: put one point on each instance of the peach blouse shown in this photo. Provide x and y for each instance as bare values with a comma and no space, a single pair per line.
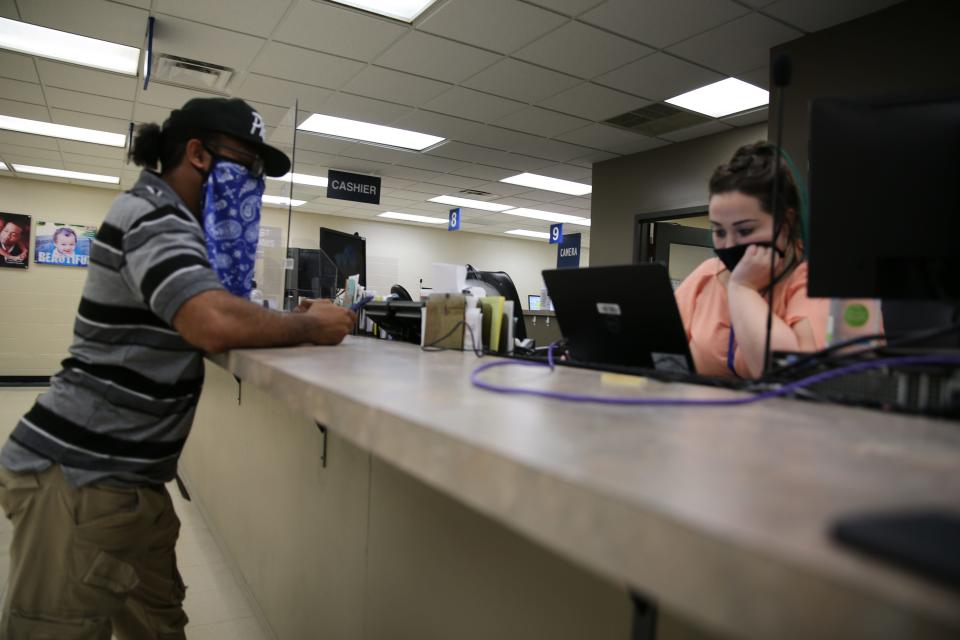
705,311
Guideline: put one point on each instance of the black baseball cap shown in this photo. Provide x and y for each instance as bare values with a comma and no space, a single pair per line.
235,118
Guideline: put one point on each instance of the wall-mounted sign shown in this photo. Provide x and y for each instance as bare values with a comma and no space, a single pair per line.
568,252
14,241
353,186
454,223
63,244
556,233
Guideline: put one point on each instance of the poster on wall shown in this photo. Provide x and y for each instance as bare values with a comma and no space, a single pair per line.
14,240
63,244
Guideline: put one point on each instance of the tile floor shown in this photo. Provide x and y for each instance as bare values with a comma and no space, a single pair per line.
216,605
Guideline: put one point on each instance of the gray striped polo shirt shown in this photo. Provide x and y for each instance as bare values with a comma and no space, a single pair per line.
121,408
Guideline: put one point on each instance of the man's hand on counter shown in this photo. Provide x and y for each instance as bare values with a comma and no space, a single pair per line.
335,322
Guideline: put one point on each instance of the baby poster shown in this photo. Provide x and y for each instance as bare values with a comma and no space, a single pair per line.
63,244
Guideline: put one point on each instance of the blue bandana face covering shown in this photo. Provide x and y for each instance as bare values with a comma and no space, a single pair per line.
231,223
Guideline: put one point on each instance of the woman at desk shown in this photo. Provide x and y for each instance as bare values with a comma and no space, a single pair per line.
724,302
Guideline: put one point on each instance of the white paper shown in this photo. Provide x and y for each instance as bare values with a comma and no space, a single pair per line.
449,278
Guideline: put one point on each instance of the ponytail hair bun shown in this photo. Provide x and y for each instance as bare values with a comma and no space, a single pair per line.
147,146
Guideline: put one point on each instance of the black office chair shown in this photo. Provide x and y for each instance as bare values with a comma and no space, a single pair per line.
400,292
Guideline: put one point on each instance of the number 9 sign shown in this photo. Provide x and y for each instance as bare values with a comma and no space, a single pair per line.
454,221
556,233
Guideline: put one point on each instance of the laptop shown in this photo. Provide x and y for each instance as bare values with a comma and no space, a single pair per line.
623,315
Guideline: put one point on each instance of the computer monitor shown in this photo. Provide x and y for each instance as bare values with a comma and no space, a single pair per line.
348,252
312,275
533,302
885,197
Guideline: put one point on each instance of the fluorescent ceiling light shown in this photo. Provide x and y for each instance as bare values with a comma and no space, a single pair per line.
412,218
470,204
3,167
60,173
722,98
68,47
62,131
406,10
542,235
367,132
283,200
534,181
549,216
302,178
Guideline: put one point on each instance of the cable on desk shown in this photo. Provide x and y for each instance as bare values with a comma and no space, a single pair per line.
432,347
696,402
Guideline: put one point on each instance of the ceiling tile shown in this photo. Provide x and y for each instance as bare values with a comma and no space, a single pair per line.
202,42
814,15
255,17
612,139
21,91
24,110
737,46
94,161
165,95
320,144
88,103
302,65
283,93
698,131
436,58
592,158
500,25
661,23
28,140
450,180
10,151
582,50
541,122
9,10
377,82
150,113
472,153
473,105
90,121
338,30
18,67
503,189
569,172
521,81
440,125
750,117
88,149
593,102
659,76
68,76
759,77
567,7
483,172
497,138
374,153
430,163
364,109
579,202
91,18
549,149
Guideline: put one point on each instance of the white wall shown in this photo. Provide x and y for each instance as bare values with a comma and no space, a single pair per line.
39,304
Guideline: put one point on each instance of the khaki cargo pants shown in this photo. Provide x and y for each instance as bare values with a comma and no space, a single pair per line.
88,562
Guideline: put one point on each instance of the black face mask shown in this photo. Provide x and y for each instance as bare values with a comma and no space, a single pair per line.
731,256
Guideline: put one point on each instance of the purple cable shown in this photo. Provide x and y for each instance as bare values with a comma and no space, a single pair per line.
701,402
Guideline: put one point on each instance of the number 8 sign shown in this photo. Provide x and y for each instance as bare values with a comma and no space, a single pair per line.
454,222
556,233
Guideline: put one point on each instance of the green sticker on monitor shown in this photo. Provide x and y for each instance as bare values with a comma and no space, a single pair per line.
856,315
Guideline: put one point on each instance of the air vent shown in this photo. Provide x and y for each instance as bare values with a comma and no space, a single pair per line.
656,119
475,192
191,74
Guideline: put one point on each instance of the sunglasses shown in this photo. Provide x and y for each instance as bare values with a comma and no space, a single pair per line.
255,164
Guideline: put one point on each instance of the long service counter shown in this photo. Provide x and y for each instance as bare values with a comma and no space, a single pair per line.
369,491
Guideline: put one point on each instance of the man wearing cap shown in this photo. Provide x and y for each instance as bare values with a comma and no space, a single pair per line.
82,475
